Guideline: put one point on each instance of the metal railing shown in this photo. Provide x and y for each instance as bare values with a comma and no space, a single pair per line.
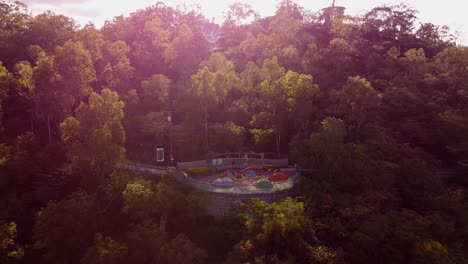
133,166
239,155
226,162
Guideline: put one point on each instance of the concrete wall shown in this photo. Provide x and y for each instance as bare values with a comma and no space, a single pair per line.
278,162
218,204
143,168
193,164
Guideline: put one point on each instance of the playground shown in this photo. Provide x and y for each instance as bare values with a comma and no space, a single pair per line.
260,176
239,173
231,177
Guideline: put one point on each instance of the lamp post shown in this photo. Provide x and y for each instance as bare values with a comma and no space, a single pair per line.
169,119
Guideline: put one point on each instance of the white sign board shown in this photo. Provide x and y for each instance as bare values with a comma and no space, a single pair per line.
159,154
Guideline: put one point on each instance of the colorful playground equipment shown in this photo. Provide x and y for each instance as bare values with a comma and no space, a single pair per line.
258,176
245,172
232,179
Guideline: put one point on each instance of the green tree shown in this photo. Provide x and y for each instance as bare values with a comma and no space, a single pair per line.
63,230
39,85
303,94
240,13
75,66
277,233
453,128
186,50
286,94
232,30
4,154
26,87
156,92
14,19
117,72
181,250
324,150
431,252
140,200
213,82
95,137
273,114
226,137
356,99
105,251
6,79
57,84
391,237
49,30
144,242
391,24
212,88
145,200
249,85
450,65
10,252
93,40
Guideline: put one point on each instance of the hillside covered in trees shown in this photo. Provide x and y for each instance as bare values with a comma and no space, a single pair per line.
374,108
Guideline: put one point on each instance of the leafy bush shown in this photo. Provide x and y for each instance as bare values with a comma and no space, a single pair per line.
264,184
198,172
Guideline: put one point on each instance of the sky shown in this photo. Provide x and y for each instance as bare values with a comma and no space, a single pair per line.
448,12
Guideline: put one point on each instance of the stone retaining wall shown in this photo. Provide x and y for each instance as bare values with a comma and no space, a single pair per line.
218,204
193,164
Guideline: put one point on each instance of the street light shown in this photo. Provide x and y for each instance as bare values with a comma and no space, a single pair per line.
169,119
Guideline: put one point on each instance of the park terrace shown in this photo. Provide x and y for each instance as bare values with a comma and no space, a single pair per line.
232,177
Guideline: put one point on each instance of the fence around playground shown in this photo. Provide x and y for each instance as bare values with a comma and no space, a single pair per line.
220,163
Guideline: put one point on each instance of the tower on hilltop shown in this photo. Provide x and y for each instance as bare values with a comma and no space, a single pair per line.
329,13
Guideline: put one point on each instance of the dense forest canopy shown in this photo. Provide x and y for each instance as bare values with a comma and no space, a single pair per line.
374,108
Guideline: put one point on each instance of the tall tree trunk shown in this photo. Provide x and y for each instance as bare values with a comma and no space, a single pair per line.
48,127
31,121
304,129
206,129
278,143
206,119
163,222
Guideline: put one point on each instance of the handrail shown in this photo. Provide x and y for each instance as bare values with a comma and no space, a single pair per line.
238,155
145,165
217,162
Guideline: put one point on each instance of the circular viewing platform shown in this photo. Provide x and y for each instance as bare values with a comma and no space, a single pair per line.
238,173
232,177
